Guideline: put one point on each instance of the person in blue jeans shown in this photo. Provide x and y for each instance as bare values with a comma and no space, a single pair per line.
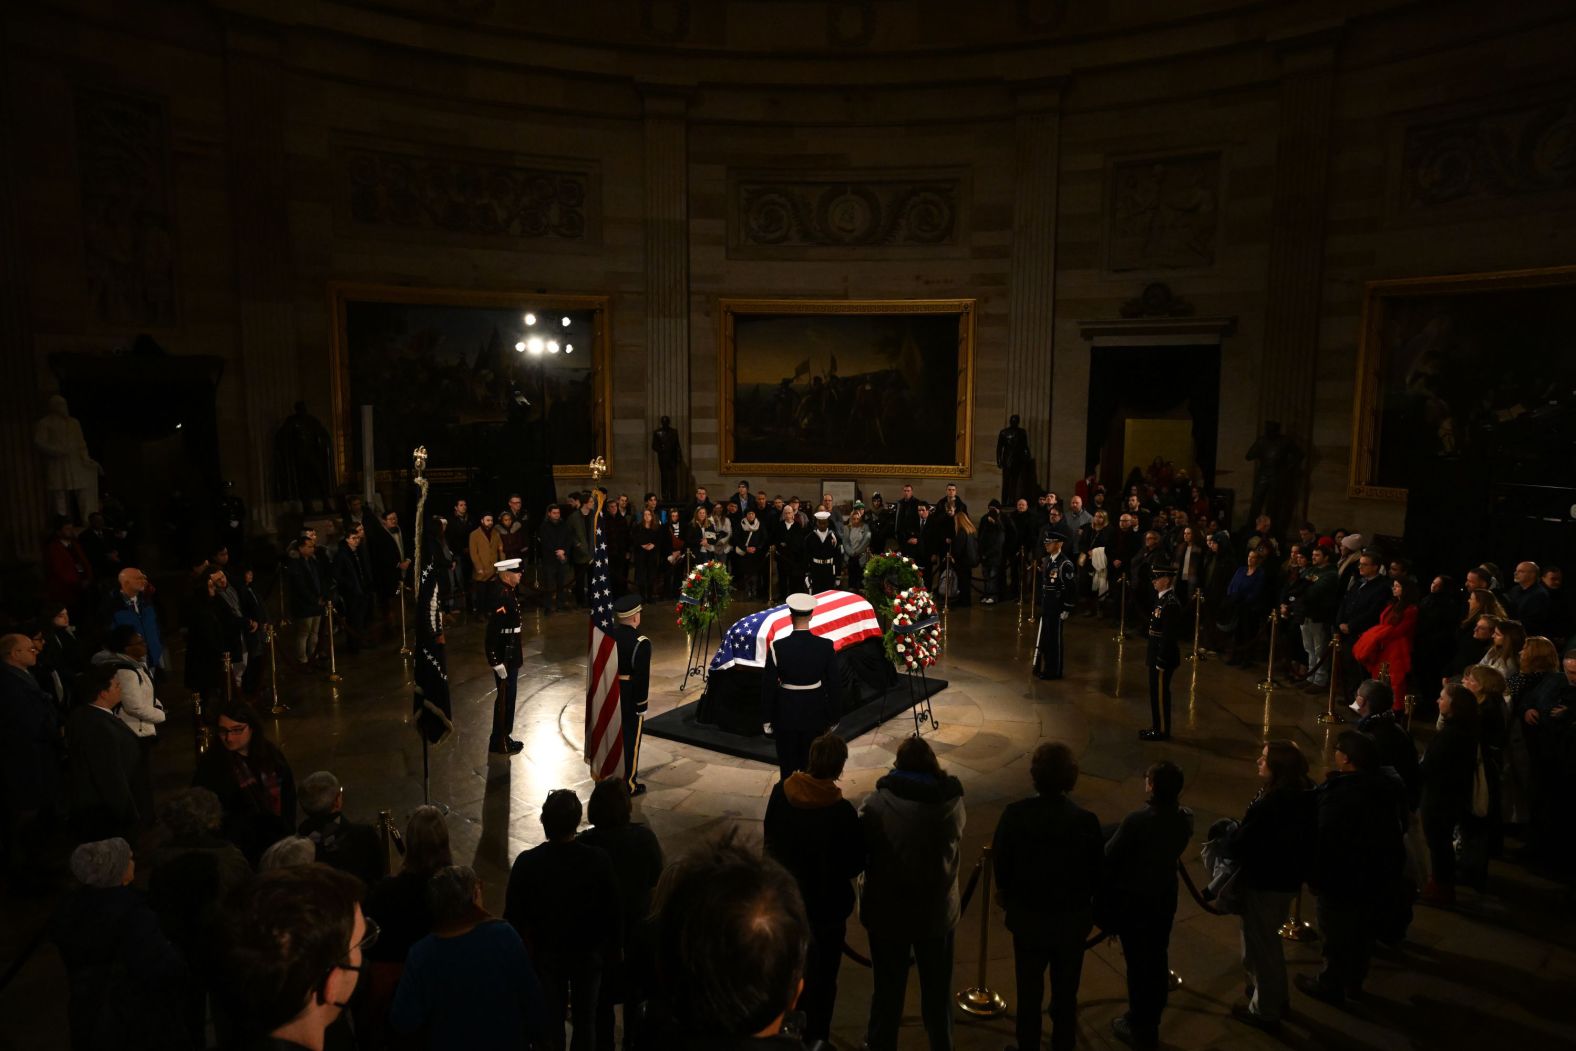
912,824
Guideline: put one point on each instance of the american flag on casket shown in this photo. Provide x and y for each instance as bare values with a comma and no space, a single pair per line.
842,616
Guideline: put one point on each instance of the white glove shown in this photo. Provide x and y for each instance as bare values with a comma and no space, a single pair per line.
766,728
1064,614
499,670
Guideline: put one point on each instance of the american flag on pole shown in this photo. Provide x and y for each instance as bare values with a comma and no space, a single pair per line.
604,741
842,616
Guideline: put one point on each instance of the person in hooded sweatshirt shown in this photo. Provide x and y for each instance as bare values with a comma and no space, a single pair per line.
909,905
816,835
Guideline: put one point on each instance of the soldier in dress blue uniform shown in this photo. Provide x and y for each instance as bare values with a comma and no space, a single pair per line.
503,653
1165,623
634,681
1058,595
823,554
800,687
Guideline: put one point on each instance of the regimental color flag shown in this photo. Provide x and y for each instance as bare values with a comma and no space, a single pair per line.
604,739
842,616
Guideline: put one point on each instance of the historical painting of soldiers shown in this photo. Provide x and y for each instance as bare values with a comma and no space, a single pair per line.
480,379
1466,369
833,387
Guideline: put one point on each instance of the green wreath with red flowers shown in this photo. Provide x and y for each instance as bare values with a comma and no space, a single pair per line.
709,589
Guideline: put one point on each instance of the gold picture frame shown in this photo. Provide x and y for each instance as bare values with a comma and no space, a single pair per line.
958,396
1507,294
342,293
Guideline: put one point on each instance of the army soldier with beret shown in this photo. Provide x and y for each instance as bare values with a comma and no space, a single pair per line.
503,653
1165,622
634,681
1058,595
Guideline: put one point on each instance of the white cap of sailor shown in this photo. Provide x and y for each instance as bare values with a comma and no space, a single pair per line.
508,565
800,604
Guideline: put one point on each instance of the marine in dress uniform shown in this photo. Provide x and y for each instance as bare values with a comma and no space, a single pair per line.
503,653
823,554
1165,623
799,688
634,682
1058,595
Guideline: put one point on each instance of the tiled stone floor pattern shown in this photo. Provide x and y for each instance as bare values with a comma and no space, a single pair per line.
1499,970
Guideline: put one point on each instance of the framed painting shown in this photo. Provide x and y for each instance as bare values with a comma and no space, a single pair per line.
848,388
1447,363
489,382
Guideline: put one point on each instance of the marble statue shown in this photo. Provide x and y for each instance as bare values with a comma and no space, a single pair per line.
670,457
70,474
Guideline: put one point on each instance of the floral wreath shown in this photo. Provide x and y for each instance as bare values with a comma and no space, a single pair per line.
886,576
710,587
917,649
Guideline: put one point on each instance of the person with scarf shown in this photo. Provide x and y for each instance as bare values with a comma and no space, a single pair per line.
252,779
433,713
1389,642
750,549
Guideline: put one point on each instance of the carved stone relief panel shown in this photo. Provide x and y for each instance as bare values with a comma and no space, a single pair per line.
1162,213
1488,156
127,217
470,196
860,212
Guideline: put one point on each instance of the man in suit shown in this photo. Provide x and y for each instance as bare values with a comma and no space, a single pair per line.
504,654
800,687
1165,623
352,588
390,561
104,761
907,525
1058,595
634,682
1360,609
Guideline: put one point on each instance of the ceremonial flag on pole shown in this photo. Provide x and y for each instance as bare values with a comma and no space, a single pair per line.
604,741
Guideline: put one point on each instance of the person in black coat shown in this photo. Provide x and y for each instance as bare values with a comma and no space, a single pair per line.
352,590
105,758
800,687
1374,705
1359,610
342,843
1447,777
1272,846
1048,853
1358,855
254,783
1163,655
816,835
1058,580
29,759
1140,889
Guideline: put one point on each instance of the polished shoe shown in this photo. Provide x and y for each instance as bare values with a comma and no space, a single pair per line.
508,746
638,790
1123,1030
1311,987
1243,1013
1153,735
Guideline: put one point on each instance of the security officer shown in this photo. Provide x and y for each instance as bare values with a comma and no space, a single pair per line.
800,687
1058,595
823,554
1165,623
634,681
503,653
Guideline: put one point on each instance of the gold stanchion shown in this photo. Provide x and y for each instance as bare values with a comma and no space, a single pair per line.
1121,620
229,694
389,834
771,575
1198,623
1173,981
333,663
1410,706
202,736
1269,672
978,999
404,638
284,614
1294,929
1330,716
270,636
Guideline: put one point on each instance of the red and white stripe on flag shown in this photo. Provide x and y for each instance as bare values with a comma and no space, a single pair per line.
604,739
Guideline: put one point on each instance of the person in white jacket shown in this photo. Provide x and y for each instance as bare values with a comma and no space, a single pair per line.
126,651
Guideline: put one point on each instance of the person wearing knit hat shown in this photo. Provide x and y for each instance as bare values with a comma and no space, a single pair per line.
103,863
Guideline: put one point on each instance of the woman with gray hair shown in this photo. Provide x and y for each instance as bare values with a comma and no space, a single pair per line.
469,983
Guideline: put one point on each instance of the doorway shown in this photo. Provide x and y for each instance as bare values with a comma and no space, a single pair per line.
1149,401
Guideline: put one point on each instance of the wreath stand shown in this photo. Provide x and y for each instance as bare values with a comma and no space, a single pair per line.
918,687
699,663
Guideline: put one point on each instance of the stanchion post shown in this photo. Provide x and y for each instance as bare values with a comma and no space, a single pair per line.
1198,621
404,637
228,682
1294,929
270,636
1269,672
1330,716
202,736
1121,618
333,662
979,999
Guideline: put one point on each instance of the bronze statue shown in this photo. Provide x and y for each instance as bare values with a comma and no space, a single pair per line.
303,461
1016,463
665,443
1275,457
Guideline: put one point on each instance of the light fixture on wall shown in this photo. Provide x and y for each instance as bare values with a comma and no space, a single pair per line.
566,322
530,319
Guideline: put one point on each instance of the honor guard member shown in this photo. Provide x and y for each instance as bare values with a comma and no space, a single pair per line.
1165,622
799,688
1058,595
634,681
503,653
823,554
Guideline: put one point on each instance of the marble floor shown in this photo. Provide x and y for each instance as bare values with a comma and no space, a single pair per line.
1491,970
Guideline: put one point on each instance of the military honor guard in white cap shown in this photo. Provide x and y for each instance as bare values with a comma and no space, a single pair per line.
800,688
1165,624
503,653
634,682
1058,595
823,554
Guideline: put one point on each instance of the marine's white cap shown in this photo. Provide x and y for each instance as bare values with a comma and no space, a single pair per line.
508,565
799,603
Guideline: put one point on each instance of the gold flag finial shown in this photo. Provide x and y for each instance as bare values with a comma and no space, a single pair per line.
598,468
419,457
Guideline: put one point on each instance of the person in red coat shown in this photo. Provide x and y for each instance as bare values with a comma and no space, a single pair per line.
1390,641
68,575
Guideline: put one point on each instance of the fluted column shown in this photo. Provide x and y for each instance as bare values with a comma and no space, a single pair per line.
261,220
1296,254
1032,289
666,173
22,505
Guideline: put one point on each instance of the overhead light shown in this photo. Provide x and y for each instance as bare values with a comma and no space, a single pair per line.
178,426
566,322
519,348
534,344
569,348
530,319
552,346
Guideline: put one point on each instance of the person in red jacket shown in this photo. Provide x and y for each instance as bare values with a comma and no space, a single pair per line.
68,575
1390,641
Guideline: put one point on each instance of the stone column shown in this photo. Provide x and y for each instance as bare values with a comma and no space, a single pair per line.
1032,285
1296,251
666,240
260,216
22,505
